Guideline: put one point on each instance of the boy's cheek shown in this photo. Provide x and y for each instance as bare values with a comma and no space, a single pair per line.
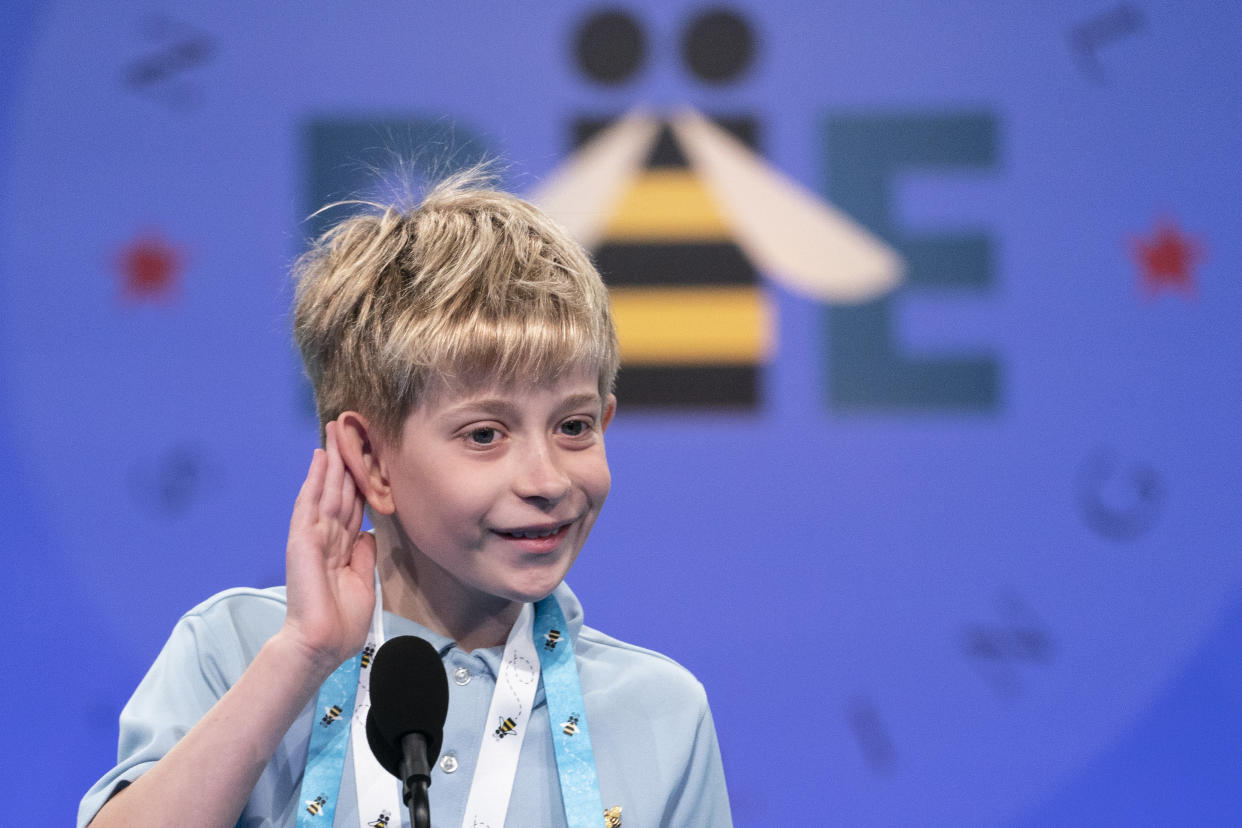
605,481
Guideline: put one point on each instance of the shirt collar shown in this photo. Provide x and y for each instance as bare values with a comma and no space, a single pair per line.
395,625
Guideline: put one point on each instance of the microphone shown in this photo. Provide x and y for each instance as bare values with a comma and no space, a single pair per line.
405,726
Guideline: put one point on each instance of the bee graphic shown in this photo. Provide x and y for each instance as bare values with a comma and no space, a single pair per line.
366,655
316,805
571,727
554,638
333,713
507,726
791,234
686,221
612,817
381,821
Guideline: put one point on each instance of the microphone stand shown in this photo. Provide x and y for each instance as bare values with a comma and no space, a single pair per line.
416,778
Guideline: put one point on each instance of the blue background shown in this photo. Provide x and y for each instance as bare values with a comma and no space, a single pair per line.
903,614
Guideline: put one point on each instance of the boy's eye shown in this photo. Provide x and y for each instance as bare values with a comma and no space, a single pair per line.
575,428
482,436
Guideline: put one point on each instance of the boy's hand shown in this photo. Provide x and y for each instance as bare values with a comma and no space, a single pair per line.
329,563
210,773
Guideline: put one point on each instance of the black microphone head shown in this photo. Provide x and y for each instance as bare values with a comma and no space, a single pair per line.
409,694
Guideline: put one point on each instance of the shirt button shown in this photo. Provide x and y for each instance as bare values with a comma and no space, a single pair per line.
462,676
448,762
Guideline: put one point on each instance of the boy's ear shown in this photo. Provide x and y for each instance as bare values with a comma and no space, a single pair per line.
610,408
359,446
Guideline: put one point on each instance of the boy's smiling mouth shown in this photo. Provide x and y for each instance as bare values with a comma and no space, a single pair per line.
555,531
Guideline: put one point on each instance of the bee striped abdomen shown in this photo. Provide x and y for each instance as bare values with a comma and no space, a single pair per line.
693,320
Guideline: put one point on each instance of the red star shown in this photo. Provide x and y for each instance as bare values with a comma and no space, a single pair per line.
149,267
1166,260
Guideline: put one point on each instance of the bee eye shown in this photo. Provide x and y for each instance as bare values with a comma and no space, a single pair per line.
718,46
610,47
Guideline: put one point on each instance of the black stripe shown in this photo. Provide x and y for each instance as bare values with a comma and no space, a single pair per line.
703,263
586,128
743,127
688,386
666,154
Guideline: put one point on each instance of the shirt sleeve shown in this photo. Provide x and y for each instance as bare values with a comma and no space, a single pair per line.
701,799
193,670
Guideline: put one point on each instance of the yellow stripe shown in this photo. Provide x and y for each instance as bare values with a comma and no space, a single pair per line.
667,205
709,326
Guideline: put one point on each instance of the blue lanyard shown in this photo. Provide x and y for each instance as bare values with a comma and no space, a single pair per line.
571,737
329,741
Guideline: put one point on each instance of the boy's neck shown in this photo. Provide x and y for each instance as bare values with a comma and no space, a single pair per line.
414,587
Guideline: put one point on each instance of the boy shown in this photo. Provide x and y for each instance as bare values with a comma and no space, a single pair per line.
463,358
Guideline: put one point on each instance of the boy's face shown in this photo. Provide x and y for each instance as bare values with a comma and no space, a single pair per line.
499,486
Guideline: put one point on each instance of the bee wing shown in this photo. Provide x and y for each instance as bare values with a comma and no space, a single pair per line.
582,192
789,233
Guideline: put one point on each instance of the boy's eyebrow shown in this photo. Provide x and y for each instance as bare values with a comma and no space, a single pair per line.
507,408
576,400
489,404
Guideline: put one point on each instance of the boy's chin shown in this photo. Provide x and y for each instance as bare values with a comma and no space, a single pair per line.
532,592
531,585
532,596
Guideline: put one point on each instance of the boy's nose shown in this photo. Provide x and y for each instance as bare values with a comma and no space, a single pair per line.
541,478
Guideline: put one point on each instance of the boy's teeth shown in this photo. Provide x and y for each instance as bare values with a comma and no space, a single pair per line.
534,534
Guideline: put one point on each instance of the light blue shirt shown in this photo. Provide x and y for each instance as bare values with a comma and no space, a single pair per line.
655,745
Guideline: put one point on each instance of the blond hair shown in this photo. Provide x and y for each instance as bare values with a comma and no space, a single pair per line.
472,284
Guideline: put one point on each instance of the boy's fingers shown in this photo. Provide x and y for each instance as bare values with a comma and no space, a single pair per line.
355,516
332,481
305,508
349,492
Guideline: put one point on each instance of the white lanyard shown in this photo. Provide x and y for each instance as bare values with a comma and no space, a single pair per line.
505,728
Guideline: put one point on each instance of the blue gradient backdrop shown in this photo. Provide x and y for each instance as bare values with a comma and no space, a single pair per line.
1021,610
